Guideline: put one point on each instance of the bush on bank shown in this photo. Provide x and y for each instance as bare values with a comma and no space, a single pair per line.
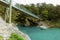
15,36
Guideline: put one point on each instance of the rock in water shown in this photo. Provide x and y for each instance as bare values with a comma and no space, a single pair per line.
43,27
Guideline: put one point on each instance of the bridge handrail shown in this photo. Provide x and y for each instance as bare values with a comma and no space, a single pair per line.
19,7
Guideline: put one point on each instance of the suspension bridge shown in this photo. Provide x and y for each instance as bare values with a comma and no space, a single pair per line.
10,5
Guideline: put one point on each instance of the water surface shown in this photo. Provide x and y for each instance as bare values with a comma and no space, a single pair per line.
39,34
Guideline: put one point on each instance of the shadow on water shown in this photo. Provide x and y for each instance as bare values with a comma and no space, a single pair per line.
38,34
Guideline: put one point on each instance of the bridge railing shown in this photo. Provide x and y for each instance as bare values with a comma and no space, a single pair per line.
16,5
5,1
19,7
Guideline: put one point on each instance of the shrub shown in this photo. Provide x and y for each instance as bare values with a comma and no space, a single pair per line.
16,37
1,38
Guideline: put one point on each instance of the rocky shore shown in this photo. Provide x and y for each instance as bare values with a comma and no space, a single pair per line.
6,30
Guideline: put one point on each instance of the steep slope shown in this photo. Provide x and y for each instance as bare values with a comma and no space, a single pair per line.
6,30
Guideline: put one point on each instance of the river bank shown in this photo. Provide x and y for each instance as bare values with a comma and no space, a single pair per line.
6,30
53,24
49,24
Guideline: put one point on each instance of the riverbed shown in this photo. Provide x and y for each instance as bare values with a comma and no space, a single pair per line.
40,34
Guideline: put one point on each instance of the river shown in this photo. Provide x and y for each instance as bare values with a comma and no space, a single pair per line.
40,34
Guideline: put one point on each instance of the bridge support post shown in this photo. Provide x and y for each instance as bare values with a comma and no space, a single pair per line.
6,13
10,11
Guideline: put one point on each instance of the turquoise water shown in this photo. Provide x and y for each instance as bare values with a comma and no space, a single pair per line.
39,34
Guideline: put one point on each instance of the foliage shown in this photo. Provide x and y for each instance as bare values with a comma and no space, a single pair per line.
44,11
1,38
16,37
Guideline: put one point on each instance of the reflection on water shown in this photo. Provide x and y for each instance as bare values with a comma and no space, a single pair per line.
38,34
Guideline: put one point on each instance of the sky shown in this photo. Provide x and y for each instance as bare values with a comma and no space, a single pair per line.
55,2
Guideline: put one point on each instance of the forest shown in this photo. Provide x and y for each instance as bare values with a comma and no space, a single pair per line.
48,13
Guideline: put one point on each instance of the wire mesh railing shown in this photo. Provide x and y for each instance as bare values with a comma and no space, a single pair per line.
5,1
21,8
24,9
